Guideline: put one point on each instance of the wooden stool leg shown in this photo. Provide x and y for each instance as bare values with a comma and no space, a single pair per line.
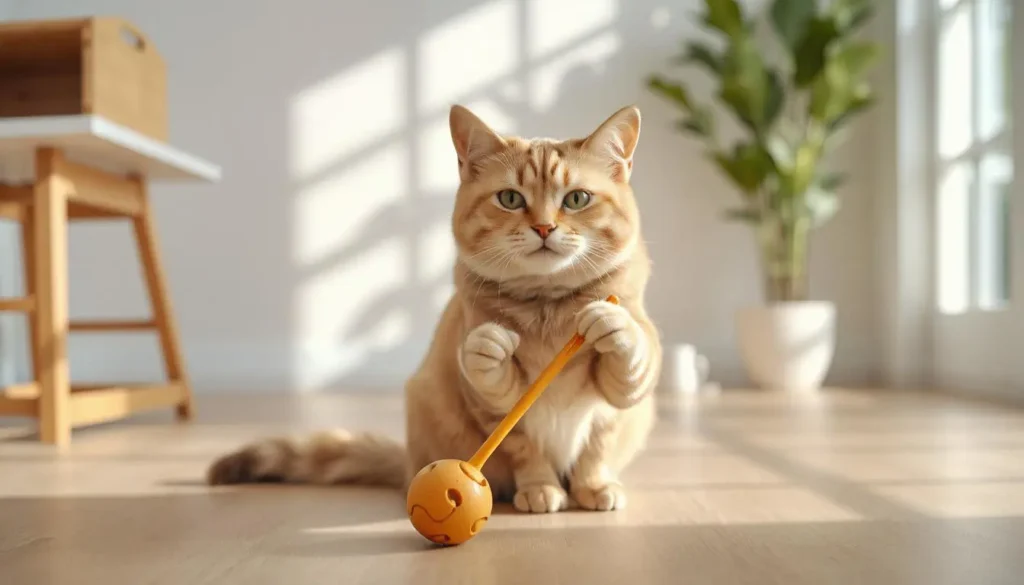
50,221
28,259
156,284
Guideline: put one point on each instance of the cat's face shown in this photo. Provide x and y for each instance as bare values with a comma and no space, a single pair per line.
542,207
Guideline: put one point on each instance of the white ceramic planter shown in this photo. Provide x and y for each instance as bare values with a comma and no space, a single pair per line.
787,346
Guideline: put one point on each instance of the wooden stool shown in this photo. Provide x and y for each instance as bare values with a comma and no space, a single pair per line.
85,188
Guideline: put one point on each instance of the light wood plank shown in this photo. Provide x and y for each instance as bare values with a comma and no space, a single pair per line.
19,194
32,28
97,326
99,189
19,304
11,211
51,245
18,406
109,404
29,271
91,386
79,212
21,391
735,488
14,199
160,303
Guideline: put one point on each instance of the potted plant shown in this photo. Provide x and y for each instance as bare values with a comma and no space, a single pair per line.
792,112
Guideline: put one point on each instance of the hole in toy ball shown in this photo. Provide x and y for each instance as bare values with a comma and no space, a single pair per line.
478,525
455,497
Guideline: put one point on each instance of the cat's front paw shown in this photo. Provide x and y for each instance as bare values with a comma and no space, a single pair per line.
540,498
609,328
611,496
486,354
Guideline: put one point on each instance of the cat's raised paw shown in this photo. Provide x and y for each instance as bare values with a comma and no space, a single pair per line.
487,349
609,327
540,498
604,498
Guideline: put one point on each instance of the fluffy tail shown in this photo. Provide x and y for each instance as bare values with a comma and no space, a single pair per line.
324,458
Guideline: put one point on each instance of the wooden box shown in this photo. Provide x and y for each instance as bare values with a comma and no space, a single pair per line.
101,66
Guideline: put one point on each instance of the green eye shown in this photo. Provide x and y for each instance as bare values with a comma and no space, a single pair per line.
510,199
576,200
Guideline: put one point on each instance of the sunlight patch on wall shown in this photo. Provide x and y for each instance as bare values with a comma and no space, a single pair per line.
438,165
557,76
955,95
389,330
441,295
435,252
336,300
558,24
342,315
466,53
345,114
352,205
952,240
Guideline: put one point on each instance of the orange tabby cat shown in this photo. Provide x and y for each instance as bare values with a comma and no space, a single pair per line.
544,229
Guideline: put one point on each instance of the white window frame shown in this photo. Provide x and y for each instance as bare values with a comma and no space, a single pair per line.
982,269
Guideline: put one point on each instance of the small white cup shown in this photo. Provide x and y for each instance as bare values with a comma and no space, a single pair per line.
691,369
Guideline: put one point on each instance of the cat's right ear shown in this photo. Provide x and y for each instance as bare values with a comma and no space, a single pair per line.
472,138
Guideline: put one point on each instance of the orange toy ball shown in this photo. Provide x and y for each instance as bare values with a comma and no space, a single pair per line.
449,501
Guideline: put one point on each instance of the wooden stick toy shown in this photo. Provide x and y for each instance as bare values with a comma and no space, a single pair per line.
449,501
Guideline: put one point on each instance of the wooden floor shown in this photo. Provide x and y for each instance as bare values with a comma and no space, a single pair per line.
736,488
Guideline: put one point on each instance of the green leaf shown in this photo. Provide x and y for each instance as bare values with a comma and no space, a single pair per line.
775,99
745,84
850,14
748,166
670,90
861,100
724,15
703,55
831,92
790,17
838,94
825,93
735,95
804,165
700,122
751,216
812,50
857,57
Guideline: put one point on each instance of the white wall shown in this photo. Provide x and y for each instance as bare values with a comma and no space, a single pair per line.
322,258
903,212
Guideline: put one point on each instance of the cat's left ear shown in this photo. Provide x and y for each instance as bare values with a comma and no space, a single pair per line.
615,140
473,139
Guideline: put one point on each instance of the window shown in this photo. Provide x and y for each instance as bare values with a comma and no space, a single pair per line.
973,154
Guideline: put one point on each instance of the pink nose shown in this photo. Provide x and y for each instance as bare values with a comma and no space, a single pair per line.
544,230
